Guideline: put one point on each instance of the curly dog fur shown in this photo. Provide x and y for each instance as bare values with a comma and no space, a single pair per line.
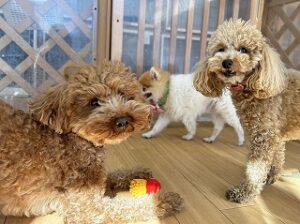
52,160
266,96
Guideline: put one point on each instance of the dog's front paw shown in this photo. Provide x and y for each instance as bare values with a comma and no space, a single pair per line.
188,136
147,135
241,142
208,140
169,204
237,194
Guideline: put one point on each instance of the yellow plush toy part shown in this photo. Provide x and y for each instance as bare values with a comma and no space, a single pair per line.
139,187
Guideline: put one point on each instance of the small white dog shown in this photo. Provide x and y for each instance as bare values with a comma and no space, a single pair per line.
181,102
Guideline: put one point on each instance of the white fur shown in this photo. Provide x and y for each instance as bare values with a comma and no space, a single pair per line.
185,104
256,172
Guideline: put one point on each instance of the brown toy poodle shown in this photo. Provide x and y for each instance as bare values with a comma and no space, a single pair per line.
52,161
266,96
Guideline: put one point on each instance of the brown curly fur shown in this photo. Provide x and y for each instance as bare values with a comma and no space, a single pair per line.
268,104
53,161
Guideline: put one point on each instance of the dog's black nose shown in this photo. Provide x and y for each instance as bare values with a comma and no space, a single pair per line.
122,122
227,63
147,95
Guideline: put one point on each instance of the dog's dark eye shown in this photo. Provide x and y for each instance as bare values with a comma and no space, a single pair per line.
131,98
144,89
243,50
221,50
95,103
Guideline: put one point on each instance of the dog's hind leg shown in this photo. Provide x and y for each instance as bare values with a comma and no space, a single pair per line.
162,122
264,149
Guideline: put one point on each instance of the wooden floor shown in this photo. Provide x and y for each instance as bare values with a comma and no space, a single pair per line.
201,173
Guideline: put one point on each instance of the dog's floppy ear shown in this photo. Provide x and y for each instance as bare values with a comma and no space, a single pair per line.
80,73
207,82
269,78
48,109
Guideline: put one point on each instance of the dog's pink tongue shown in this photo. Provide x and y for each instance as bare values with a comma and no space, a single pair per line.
156,109
237,87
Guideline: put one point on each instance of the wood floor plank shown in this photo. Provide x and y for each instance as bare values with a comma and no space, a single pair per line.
2,219
282,200
250,215
293,156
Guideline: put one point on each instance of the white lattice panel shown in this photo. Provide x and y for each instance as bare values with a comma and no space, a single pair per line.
38,38
282,27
